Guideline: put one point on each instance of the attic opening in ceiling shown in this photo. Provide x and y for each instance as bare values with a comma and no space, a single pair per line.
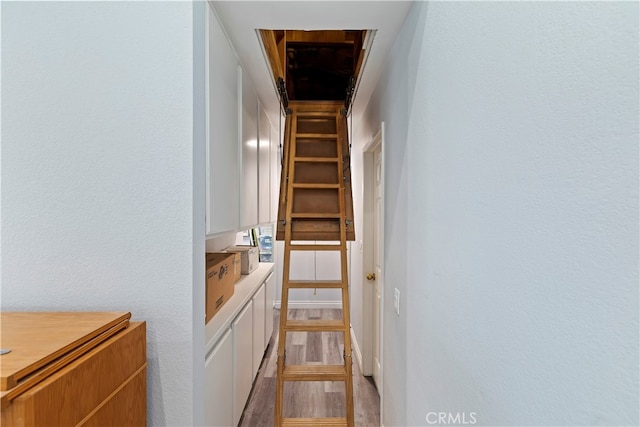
315,65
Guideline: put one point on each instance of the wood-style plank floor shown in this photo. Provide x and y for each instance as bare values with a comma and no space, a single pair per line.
310,399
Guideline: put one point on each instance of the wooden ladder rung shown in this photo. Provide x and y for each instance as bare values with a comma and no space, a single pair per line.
315,185
316,215
316,114
311,284
315,247
314,373
317,135
316,159
320,325
302,422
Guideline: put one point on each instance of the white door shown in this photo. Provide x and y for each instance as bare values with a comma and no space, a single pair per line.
270,288
377,281
258,328
242,359
219,376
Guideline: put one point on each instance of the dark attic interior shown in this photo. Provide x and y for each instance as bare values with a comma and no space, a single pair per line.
315,65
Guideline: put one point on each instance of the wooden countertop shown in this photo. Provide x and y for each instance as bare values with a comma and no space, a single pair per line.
43,342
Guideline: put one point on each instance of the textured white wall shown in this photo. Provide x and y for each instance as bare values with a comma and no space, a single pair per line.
389,103
512,160
97,190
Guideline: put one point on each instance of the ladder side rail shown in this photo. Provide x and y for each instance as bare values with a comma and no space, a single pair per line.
343,130
282,203
346,317
284,302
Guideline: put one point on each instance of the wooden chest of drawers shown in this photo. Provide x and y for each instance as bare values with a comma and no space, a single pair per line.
72,369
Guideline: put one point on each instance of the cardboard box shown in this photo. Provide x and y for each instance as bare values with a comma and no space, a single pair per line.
249,257
220,282
237,266
236,271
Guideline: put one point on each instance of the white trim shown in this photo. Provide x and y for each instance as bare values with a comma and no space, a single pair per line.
310,304
356,349
383,263
373,143
200,202
367,259
207,111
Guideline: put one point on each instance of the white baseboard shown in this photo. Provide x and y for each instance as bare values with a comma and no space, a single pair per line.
311,304
356,349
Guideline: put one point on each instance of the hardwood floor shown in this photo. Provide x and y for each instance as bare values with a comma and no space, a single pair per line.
310,399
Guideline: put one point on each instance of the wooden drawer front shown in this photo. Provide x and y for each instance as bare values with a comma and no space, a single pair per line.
71,394
126,408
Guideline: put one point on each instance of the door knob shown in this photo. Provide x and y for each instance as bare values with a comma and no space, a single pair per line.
371,276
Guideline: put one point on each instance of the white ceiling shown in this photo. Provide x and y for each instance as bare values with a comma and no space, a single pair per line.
241,18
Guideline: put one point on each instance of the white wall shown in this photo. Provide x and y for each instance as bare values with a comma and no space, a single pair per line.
512,160
384,106
98,186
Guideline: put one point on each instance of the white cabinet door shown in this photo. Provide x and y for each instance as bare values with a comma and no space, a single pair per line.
242,355
258,328
270,293
222,131
264,177
219,379
275,173
249,149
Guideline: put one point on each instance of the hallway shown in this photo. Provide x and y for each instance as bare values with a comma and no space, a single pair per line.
133,143
310,399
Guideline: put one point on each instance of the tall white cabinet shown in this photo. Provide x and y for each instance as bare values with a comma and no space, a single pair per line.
222,131
274,156
264,166
243,174
249,154
241,163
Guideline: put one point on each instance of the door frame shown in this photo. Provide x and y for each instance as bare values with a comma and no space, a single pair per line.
376,143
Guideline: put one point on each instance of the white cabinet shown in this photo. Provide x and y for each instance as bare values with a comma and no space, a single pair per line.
219,376
275,174
249,153
222,131
235,345
258,327
242,164
270,293
242,357
264,173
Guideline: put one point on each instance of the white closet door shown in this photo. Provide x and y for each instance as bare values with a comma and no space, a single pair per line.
258,328
275,173
264,177
219,380
222,131
242,358
270,293
249,150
